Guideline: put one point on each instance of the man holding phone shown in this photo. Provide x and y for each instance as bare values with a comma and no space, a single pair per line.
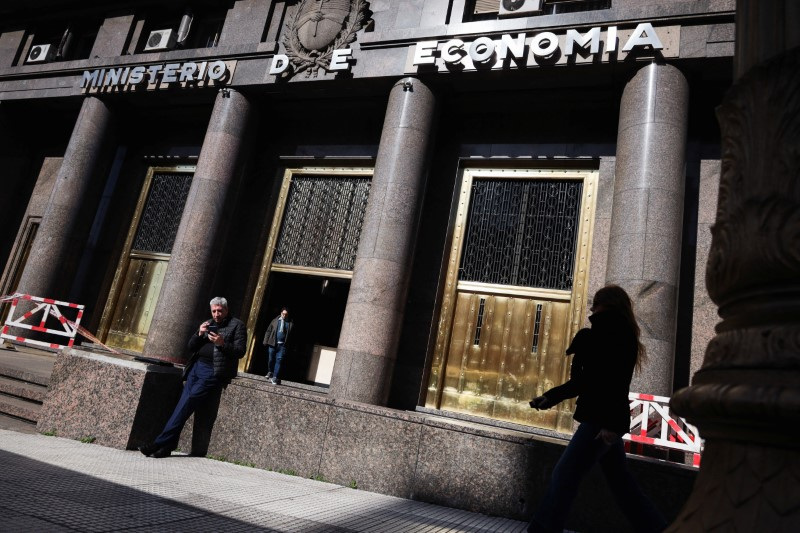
216,348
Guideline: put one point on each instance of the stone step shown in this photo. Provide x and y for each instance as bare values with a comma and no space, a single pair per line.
25,364
19,425
23,375
19,408
22,389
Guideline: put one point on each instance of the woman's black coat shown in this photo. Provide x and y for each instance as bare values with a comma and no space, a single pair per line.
601,372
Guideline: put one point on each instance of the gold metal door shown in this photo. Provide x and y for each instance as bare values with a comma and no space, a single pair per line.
16,265
314,232
140,274
510,308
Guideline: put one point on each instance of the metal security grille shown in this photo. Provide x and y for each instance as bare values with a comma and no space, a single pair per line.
162,212
322,222
522,233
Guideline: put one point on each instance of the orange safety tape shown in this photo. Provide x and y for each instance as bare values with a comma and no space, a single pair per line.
83,331
86,333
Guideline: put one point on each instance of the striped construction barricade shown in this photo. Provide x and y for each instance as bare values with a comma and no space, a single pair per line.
67,314
652,424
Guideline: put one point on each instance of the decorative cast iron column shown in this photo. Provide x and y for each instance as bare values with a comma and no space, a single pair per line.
194,256
376,302
745,399
58,236
644,248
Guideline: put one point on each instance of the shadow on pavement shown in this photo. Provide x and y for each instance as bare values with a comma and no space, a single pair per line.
36,496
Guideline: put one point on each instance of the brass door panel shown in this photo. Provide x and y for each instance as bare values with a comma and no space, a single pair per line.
139,294
143,265
514,293
499,358
16,265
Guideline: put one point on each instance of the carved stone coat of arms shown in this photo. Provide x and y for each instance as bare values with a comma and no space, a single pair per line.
317,28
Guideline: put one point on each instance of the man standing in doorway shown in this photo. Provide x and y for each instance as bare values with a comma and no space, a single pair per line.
216,347
276,340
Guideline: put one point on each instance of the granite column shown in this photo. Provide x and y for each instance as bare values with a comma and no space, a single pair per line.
745,399
195,253
647,216
53,253
376,302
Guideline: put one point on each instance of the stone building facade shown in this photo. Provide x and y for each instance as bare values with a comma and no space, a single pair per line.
435,189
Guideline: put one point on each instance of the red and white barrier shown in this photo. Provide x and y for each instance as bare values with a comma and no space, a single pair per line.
39,314
652,424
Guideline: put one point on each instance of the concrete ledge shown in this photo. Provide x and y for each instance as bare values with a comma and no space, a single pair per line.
407,454
120,402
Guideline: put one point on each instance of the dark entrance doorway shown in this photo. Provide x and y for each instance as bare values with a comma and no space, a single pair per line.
316,305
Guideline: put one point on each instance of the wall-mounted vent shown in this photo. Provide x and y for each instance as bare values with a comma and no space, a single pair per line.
520,7
160,40
41,53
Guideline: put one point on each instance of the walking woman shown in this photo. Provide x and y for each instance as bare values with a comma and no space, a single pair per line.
605,357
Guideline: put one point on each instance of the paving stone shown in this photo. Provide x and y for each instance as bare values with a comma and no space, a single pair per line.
55,484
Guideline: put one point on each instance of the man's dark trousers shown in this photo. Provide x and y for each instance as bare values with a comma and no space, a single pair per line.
201,386
276,354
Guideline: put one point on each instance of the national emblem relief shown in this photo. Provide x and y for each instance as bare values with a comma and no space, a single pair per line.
317,28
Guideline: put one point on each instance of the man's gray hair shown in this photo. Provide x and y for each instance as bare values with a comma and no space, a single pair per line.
219,300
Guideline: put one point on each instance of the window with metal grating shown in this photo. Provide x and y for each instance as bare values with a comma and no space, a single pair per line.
522,233
322,222
162,212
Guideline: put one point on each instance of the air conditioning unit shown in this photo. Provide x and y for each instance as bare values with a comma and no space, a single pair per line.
41,53
160,40
520,7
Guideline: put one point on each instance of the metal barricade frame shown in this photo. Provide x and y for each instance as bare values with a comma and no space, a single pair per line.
48,307
652,424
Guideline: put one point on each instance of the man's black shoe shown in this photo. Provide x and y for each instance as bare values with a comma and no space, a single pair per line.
196,454
148,449
161,452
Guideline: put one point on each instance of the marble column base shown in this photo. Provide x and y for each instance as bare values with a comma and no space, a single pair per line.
743,487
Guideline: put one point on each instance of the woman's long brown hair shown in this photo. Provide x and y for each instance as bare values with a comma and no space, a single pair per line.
614,297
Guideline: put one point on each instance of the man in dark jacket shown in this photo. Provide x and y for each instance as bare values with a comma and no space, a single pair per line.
276,340
216,348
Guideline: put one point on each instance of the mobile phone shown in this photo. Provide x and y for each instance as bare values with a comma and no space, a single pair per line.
213,328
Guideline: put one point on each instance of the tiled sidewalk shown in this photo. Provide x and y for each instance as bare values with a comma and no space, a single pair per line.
53,484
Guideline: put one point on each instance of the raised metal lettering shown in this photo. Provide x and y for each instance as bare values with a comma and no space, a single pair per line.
340,60
573,38
137,75
152,72
515,46
187,71
217,70
425,53
89,78
170,73
611,39
279,64
481,50
544,44
643,35
453,51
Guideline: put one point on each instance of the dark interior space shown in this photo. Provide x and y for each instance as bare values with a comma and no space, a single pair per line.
23,146
316,306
